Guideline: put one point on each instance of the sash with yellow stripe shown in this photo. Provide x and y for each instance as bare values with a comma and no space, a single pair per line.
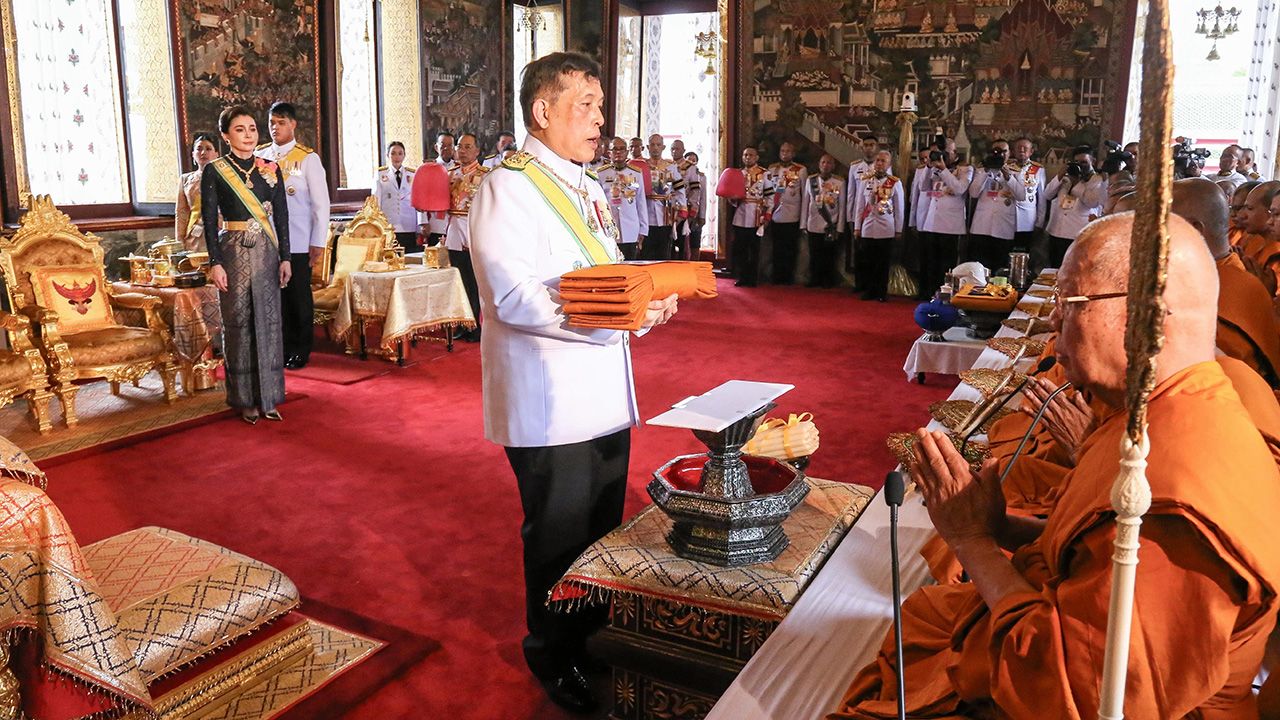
557,198
194,218
246,197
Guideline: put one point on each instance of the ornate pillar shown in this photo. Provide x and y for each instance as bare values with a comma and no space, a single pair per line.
401,59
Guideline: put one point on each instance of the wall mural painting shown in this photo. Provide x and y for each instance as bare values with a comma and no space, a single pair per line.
464,64
830,71
248,52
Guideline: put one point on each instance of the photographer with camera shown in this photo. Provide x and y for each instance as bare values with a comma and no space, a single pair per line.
995,219
1075,199
1188,161
943,197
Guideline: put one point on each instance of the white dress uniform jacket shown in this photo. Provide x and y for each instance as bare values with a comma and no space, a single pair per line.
463,185
625,189
856,171
878,207
308,195
394,199
1235,179
994,213
437,222
919,198
696,191
668,182
947,193
545,383
788,181
750,211
822,195
1032,205
1074,204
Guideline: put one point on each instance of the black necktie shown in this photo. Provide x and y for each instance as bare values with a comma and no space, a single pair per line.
397,178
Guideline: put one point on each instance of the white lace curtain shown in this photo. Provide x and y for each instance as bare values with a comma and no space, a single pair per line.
1262,102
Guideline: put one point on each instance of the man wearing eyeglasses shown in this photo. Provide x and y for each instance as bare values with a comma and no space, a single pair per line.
1028,631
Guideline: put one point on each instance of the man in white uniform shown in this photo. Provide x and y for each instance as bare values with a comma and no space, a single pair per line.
1032,205
788,178
393,186
307,190
877,222
995,218
696,195
1075,197
560,399
506,142
434,225
624,186
941,215
464,181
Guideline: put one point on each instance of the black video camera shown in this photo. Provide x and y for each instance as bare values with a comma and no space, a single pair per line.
1188,161
939,151
995,159
1116,158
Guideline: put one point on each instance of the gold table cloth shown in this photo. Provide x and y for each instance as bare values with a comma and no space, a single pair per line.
407,301
636,559
195,320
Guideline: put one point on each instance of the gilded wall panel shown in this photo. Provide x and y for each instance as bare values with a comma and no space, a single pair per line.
401,70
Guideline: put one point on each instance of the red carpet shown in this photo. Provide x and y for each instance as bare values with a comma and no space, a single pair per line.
383,499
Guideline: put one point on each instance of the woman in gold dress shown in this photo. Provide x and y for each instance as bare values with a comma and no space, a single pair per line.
188,227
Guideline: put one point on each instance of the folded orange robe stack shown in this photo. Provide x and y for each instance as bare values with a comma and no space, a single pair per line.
617,296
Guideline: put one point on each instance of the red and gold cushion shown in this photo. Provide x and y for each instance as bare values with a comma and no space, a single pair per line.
77,293
177,598
113,345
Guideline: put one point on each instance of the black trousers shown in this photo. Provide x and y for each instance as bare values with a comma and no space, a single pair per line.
680,240
744,257
408,241
297,311
572,495
991,251
630,251
434,239
937,257
786,244
1058,250
1023,240
822,260
693,249
461,259
657,245
877,255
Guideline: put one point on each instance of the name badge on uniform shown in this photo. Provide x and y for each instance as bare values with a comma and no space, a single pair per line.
1068,202
993,194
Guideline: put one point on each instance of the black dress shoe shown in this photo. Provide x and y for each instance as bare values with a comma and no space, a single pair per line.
570,691
293,362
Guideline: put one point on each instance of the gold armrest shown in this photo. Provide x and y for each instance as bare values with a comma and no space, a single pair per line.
14,323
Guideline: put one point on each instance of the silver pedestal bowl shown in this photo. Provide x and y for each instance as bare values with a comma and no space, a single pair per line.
727,507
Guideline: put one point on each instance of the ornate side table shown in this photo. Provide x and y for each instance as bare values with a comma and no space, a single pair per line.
195,319
679,630
407,302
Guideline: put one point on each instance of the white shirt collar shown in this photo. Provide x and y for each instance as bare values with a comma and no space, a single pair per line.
567,169
282,149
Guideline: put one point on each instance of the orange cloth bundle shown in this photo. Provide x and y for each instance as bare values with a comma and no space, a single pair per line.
986,298
617,296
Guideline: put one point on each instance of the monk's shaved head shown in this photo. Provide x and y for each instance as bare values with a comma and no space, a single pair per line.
1257,207
1091,334
1202,203
1127,202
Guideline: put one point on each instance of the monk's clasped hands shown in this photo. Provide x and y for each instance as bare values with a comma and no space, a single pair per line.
963,505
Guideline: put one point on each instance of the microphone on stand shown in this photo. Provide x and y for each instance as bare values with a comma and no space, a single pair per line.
1027,435
894,491
1044,366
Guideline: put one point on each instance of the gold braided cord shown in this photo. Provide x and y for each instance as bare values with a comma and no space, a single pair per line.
1149,254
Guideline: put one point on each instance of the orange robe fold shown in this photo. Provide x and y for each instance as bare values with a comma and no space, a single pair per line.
1247,328
617,296
1263,255
1206,593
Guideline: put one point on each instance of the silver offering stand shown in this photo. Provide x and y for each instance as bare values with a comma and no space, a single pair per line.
727,523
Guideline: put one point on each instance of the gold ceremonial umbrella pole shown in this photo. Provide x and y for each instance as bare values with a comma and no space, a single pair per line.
1144,335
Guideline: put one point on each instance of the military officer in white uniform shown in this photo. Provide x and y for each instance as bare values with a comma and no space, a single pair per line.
995,218
464,182
559,398
788,178
506,142
1032,205
307,189
393,186
878,220
941,215
750,215
695,191
823,221
666,202
434,225
624,186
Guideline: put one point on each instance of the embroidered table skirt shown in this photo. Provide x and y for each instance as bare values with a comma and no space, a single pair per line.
680,630
408,301
195,319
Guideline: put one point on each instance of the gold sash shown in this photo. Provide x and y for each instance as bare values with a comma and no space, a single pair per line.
556,197
247,198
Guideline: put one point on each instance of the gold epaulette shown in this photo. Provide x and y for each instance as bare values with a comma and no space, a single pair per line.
518,161
592,174
409,169
303,148
263,146
384,167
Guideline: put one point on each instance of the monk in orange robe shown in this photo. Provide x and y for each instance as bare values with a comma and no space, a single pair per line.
1259,244
1025,637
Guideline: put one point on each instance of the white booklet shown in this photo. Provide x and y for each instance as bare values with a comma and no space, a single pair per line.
721,407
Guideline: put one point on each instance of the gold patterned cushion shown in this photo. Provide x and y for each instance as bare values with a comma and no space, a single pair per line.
77,293
109,346
178,598
327,298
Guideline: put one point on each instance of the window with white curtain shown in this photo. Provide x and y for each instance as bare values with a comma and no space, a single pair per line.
537,31
626,122
68,87
357,68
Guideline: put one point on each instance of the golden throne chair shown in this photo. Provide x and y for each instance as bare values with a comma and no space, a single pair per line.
364,239
148,620
23,372
54,278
